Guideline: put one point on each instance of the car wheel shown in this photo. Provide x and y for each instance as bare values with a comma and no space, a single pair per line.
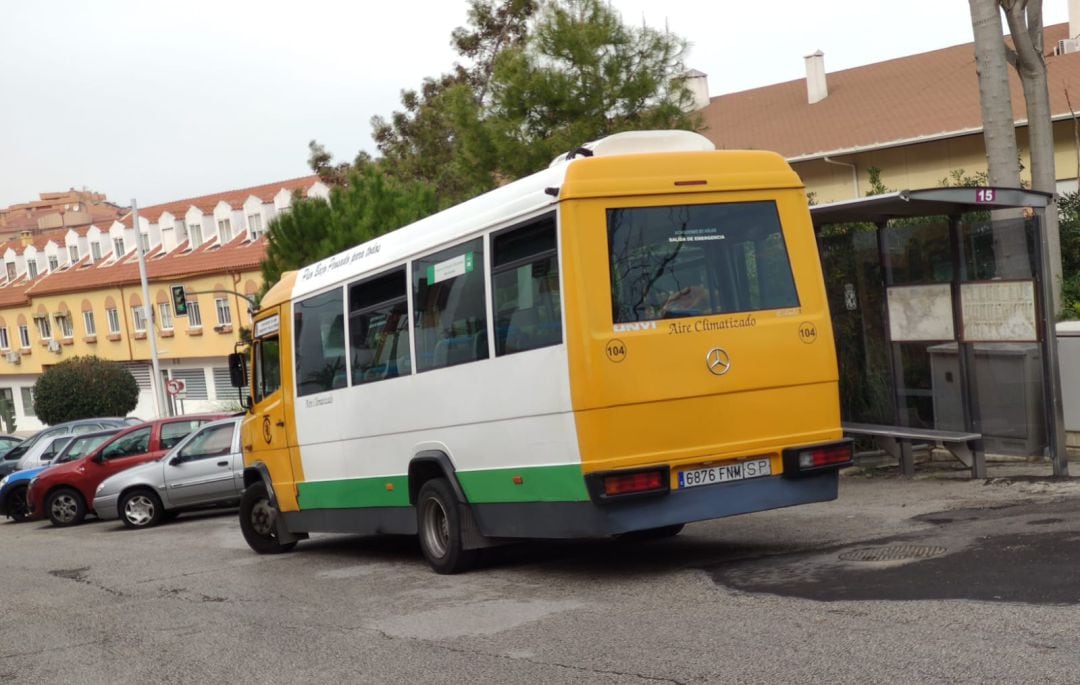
16,505
258,521
439,527
65,507
140,509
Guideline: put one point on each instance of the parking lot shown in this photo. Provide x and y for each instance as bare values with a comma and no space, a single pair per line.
940,579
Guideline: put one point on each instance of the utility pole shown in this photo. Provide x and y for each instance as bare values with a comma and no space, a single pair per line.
148,317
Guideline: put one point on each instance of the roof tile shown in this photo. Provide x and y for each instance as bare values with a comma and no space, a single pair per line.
921,96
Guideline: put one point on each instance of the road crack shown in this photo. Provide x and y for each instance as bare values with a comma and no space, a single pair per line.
79,575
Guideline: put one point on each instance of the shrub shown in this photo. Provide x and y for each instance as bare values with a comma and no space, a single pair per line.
83,388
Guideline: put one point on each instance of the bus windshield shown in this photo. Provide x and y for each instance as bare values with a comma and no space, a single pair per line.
695,260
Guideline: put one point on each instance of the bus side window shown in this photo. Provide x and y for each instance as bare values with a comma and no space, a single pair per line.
525,279
379,328
448,301
267,368
320,343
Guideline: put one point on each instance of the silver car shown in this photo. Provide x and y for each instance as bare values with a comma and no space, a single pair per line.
205,470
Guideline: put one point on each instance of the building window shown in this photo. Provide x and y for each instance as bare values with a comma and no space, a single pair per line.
44,327
165,315
73,253
255,225
194,316
224,314
54,263
31,268
24,336
195,233
11,271
224,228
64,322
144,239
114,320
88,322
28,401
118,247
4,339
138,318
95,251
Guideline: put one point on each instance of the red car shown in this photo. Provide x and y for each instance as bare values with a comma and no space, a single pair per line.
62,492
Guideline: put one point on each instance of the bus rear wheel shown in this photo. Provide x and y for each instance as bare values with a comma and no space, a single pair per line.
439,527
258,521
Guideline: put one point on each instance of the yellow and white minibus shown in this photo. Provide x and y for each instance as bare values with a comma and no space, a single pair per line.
635,338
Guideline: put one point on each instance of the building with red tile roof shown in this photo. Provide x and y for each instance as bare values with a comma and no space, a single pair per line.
915,118
69,290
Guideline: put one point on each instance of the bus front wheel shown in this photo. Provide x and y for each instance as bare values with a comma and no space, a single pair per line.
258,521
439,527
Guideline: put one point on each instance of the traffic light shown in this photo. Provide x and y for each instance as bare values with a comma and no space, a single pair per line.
179,300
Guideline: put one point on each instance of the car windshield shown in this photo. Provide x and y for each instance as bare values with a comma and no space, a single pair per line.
82,446
15,452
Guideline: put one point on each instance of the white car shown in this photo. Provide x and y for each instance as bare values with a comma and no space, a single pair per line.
205,470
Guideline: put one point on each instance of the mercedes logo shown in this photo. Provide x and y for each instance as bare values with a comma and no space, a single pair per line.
718,361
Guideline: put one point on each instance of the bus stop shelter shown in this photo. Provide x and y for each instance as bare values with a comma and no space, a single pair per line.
940,304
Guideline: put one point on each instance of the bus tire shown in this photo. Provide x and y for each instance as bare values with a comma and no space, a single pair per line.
439,528
258,521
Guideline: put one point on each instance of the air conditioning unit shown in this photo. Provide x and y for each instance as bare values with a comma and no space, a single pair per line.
14,357
1067,45
54,346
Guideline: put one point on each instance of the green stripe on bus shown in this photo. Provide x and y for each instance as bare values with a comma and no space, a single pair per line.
538,484
353,493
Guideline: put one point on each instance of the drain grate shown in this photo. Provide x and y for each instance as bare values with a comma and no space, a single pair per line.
893,553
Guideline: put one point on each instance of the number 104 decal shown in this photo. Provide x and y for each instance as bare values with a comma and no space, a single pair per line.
615,350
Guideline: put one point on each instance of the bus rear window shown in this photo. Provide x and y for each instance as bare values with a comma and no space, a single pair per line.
697,260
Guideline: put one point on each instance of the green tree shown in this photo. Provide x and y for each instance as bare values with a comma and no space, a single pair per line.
538,79
83,388
581,75
1069,207
439,137
368,204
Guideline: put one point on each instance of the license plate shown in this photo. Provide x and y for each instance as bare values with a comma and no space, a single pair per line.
750,468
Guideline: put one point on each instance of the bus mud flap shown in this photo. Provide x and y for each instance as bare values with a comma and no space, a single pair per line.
471,537
284,535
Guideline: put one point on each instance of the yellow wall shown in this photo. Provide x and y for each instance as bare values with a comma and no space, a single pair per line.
182,342
925,165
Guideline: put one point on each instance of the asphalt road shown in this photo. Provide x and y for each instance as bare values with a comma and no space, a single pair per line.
938,580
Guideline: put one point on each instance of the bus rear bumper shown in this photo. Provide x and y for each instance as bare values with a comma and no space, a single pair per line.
588,519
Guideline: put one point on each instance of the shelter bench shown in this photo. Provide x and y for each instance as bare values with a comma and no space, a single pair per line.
897,442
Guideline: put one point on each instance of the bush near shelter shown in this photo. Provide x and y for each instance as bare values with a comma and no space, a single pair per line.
84,388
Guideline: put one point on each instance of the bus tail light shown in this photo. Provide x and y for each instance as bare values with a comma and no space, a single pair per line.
816,458
616,485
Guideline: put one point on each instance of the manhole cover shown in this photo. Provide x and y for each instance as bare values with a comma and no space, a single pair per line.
892,553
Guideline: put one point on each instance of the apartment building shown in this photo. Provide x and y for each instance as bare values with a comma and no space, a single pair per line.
75,290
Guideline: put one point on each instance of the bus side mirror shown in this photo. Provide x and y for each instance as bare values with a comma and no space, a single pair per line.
237,370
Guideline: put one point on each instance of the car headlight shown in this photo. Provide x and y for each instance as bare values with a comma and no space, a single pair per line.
33,480
4,480
99,489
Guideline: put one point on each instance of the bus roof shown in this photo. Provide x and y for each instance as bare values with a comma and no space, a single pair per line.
504,206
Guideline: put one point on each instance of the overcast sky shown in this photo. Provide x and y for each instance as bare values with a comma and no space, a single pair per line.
160,101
